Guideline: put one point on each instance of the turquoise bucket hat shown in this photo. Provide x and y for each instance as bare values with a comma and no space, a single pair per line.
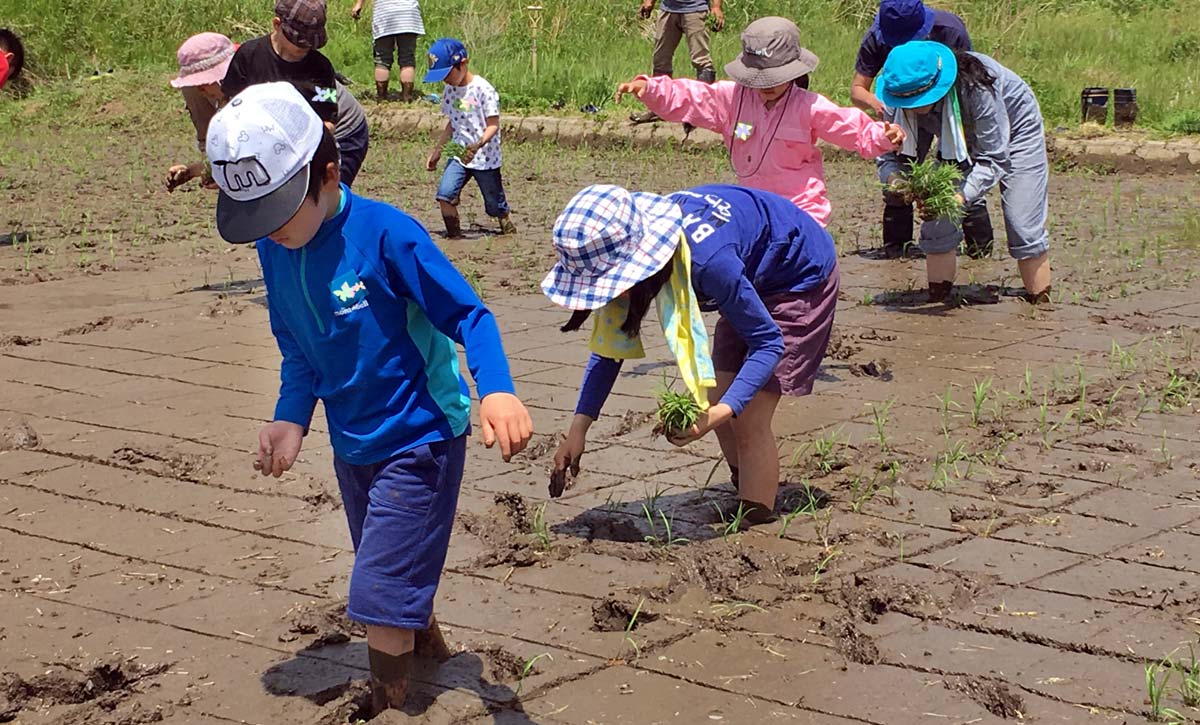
917,74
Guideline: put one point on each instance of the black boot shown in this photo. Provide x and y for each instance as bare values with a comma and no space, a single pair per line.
453,227
977,231
1041,298
940,291
897,228
389,679
381,91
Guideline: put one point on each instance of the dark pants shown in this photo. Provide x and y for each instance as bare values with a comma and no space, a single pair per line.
898,216
352,149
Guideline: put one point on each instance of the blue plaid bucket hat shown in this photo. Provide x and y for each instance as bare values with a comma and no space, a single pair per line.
608,240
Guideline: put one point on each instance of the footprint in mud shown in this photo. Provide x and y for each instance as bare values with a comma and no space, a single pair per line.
327,623
105,684
17,435
613,615
504,666
505,531
993,696
18,341
107,322
168,463
852,643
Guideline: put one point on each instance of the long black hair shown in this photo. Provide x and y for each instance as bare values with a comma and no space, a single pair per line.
640,297
972,73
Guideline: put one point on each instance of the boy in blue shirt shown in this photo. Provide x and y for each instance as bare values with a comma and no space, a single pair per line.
366,311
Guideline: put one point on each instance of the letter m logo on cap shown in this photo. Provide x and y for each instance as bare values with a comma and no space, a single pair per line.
244,174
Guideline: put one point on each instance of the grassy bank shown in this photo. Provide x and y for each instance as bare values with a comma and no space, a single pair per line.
586,46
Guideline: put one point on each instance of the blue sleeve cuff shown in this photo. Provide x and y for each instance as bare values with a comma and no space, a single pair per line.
296,411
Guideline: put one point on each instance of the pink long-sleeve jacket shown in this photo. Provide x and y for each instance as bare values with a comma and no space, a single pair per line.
771,149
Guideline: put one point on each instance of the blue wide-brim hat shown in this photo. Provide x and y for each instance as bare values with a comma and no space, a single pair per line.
917,74
608,240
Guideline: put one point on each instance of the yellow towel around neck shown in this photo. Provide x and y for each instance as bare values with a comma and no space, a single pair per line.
682,324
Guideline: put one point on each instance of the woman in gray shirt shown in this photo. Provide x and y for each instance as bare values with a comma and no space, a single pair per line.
988,121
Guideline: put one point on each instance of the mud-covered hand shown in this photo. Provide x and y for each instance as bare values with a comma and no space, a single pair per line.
894,133
177,176
504,418
278,447
468,154
715,417
566,461
636,87
434,157
647,8
356,11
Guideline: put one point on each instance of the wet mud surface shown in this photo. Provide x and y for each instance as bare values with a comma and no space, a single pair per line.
1007,529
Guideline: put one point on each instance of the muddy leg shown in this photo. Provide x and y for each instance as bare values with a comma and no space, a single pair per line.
390,653
1035,273
430,643
725,436
758,458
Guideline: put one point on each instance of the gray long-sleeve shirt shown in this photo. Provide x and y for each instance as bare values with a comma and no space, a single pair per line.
999,122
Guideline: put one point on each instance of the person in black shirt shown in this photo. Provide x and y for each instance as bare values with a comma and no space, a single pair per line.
290,53
899,22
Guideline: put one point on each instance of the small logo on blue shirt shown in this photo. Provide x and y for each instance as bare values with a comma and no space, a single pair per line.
349,294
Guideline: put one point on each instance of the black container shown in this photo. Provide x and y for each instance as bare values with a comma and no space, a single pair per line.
1125,107
1095,105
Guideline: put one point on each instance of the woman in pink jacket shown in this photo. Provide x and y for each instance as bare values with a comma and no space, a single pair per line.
769,119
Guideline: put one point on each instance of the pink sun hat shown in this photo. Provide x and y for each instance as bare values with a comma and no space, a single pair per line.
203,59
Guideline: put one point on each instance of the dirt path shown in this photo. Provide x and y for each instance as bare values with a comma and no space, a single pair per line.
1014,528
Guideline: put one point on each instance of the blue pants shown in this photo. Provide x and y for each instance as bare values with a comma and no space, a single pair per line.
400,513
352,149
491,185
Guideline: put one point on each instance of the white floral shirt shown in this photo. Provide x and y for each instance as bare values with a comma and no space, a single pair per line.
468,108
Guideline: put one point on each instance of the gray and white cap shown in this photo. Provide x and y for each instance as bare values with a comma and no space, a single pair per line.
260,146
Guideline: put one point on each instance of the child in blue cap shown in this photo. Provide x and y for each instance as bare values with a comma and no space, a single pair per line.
987,119
368,314
472,108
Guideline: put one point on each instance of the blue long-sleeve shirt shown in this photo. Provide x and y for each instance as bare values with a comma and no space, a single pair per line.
745,244
367,316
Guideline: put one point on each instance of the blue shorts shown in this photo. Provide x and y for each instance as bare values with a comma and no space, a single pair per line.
400,513
491,185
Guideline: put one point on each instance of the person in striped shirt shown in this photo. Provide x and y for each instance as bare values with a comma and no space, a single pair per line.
395,25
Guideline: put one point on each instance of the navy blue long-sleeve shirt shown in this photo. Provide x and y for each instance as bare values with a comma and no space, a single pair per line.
745,245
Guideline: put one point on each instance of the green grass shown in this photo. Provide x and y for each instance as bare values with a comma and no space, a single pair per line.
585,48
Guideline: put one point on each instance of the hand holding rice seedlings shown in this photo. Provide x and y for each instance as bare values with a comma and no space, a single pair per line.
934,185
677,412
453,150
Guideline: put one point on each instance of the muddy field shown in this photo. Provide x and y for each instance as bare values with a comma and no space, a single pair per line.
1011,530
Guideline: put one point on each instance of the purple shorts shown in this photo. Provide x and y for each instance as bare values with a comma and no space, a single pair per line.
806,320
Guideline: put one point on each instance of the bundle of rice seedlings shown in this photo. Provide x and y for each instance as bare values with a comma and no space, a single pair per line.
935,185
453,150
677,412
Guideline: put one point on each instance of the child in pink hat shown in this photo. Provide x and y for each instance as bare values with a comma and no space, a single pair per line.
203,61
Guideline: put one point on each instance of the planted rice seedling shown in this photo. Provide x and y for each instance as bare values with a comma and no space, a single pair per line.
541,532
528,670
982,389
1158,681
879,418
